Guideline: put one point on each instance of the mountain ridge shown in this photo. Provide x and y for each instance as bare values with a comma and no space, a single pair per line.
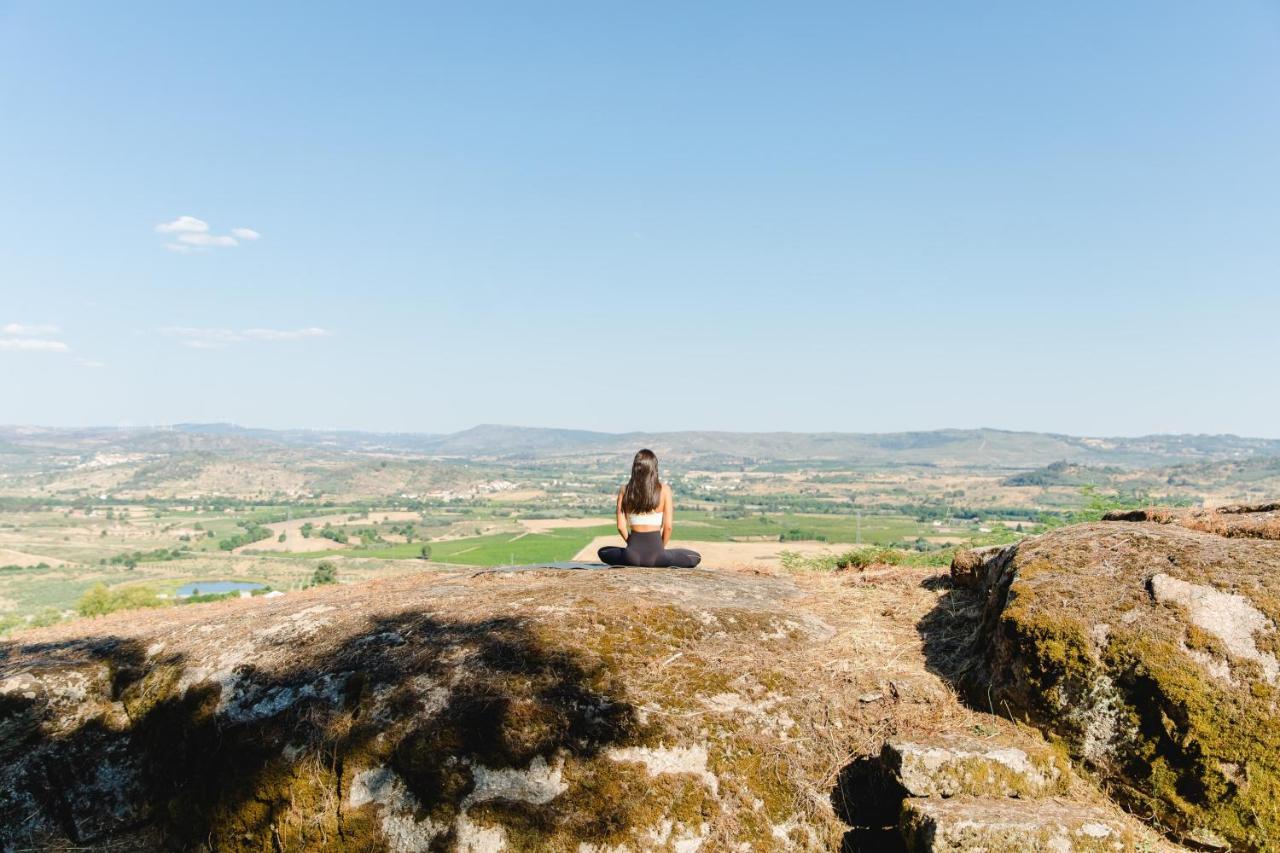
984,447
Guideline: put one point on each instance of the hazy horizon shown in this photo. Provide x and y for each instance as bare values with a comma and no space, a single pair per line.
571,428
726,217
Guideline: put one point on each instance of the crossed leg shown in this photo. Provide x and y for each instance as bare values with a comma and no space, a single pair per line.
676,558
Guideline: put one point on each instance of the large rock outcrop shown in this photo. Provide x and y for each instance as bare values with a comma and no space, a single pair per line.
1147,644
616,710
532,710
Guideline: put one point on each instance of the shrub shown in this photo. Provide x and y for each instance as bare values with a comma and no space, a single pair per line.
325,573
98,600
334,534
794,561
862,558
196,598
46,617
796,534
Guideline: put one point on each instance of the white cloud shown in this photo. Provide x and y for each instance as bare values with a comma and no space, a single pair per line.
33,338
29,331
285,334
207,240
198,338
183,225
32,345
193,235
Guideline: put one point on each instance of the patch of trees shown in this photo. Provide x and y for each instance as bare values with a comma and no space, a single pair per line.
406,530
203,598
952,512
808,504
335,534
253,532
133,558
369,535
14,567
795,534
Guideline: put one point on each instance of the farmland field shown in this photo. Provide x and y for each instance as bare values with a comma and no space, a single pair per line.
154,514
60,554
488,550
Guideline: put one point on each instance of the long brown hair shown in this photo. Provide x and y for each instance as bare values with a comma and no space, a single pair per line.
643,491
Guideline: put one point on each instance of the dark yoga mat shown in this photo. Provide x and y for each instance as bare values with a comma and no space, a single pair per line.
569,565
573,565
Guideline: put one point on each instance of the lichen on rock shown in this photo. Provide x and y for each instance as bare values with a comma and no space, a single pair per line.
951,766
994,825
1115,637
522,710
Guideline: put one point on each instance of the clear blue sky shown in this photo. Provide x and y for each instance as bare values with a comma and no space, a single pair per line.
741,216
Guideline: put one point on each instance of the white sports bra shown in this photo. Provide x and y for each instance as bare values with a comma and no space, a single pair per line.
646,519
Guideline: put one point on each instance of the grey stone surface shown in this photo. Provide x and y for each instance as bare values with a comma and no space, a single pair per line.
957,765
1002,825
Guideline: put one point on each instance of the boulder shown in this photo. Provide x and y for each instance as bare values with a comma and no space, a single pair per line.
1148,645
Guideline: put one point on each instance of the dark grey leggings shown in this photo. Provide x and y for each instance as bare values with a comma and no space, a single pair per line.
645,549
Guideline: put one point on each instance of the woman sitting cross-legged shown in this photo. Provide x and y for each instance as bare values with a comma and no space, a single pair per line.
645,508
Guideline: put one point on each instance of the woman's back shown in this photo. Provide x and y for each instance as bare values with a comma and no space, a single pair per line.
644,510
645,519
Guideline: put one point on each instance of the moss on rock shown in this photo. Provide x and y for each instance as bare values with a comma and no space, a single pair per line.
527,710
1150,695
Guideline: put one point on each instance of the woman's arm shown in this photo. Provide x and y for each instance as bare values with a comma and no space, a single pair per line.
622,518
668,510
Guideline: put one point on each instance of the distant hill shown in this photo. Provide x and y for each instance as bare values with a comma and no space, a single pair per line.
1062,474
947,448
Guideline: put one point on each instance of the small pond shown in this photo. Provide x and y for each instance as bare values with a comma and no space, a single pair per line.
215,587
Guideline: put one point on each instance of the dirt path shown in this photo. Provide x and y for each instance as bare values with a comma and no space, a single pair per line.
20,558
